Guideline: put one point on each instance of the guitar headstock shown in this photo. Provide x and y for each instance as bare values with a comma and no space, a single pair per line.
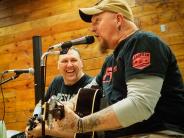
33,121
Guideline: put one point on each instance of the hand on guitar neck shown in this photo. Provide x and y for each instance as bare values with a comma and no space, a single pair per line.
57,127
53,112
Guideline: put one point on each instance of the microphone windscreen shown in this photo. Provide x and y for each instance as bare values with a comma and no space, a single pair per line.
90,39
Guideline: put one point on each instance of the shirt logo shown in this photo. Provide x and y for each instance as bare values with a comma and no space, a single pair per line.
108,74
141,60
64,97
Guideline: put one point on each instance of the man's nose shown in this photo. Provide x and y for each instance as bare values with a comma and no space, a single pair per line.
92,29
69,63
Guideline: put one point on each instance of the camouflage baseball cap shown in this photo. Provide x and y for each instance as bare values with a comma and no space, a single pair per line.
118,6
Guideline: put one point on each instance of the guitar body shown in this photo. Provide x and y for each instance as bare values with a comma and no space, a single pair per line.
88,102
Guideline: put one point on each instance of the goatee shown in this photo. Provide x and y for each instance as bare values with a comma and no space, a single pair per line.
103,47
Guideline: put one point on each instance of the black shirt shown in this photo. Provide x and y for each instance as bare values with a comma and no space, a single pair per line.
66,92
144,53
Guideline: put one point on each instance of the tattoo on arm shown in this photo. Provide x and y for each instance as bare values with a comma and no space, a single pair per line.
98,121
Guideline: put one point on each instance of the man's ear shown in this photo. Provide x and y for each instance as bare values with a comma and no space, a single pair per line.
119,19
82,63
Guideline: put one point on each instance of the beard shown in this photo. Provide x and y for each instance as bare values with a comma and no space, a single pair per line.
103,47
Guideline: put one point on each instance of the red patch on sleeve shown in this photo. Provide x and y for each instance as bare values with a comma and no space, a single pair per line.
141,60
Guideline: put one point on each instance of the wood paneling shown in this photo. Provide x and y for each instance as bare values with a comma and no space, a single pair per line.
57,21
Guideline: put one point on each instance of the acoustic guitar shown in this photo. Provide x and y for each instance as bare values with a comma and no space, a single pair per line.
88,102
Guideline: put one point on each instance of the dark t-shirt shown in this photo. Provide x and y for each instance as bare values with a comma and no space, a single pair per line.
66,92
145,54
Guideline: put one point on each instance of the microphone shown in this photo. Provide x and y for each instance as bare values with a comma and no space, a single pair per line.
78,41
20,71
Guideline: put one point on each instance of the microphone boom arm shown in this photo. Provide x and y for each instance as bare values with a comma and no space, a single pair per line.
42,73
42,63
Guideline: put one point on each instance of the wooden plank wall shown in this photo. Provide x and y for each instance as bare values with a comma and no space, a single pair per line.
57,21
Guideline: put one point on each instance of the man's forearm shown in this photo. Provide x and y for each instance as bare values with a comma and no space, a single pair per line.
103,120
57,133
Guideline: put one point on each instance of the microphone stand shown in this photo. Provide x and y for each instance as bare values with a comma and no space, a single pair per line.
11,78
42,69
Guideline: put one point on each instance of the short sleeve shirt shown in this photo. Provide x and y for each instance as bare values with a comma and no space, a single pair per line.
144,53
